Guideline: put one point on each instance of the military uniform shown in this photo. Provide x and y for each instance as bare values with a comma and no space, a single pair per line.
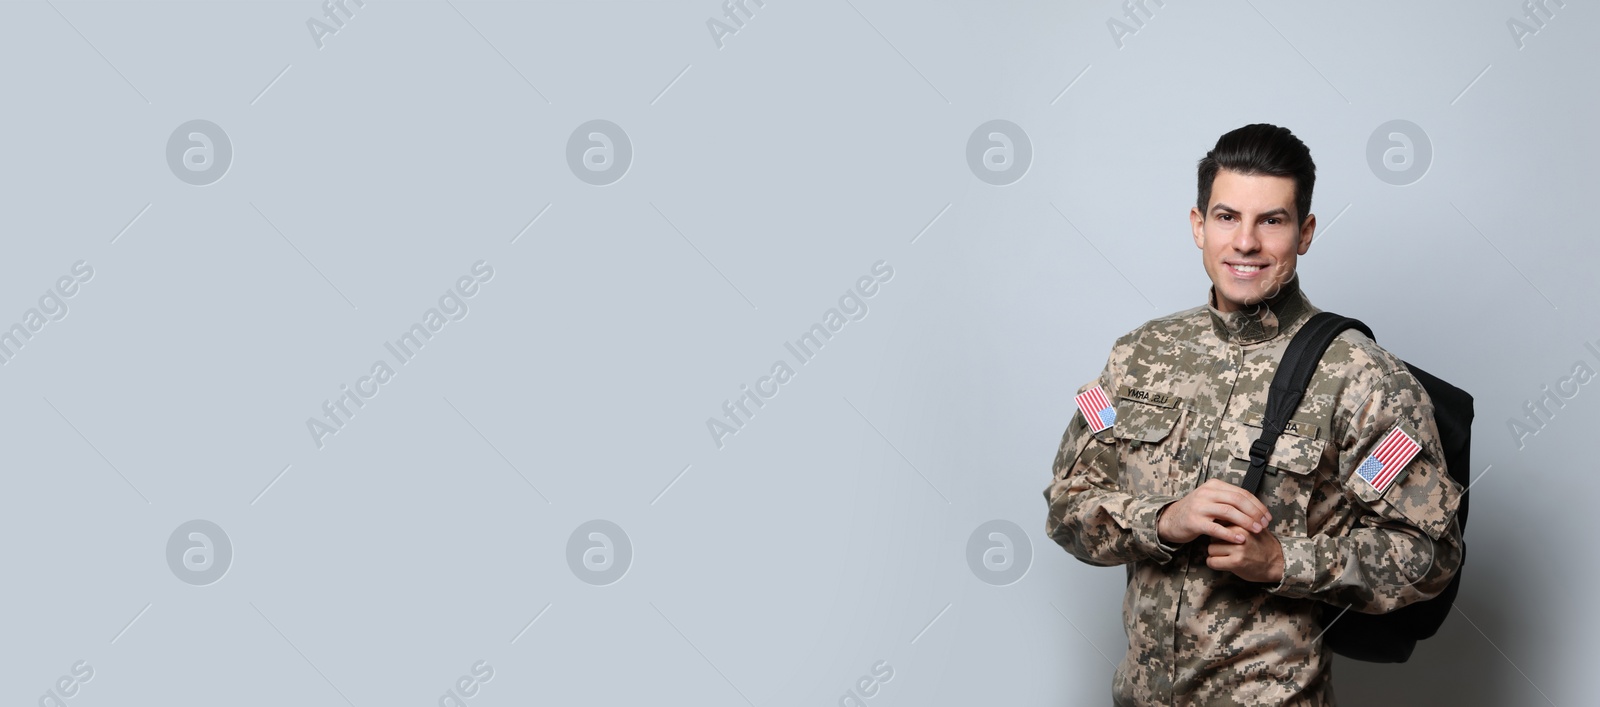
1189,391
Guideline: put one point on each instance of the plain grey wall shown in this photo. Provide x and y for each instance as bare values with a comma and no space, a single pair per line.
749,181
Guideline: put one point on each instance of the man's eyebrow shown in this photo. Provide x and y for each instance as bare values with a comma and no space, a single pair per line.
1280,211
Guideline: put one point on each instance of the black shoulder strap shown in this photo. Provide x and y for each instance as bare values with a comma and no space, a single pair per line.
1289,384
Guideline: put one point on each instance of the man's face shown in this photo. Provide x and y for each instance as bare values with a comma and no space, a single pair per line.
1248,239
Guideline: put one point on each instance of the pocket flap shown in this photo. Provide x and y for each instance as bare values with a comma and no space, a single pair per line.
1292,453
1143,422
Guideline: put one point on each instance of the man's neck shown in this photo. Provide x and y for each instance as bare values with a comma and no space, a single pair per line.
1263,320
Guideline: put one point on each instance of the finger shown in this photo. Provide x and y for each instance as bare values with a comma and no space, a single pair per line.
1259,509
1225,534
1223,511
1224,492
1248,504
1217,485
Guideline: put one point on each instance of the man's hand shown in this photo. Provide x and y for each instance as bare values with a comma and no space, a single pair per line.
1258,559
1215,508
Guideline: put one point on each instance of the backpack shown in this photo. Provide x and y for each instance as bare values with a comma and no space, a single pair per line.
1378,638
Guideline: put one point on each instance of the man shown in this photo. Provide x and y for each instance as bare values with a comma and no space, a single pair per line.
1225,587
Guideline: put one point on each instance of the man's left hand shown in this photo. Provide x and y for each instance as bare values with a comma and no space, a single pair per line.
1258,559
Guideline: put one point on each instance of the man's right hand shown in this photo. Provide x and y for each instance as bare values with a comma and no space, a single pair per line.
1215,508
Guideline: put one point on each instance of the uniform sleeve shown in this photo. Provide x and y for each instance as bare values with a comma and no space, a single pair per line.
1090,515
1405,545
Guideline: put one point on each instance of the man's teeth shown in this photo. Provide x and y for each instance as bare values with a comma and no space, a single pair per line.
1247,268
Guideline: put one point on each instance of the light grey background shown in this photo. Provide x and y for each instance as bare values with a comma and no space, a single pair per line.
830,533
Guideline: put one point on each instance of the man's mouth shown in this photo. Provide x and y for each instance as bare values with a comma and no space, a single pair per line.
1245,270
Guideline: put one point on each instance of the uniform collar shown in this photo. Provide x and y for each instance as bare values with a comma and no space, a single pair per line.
1257,324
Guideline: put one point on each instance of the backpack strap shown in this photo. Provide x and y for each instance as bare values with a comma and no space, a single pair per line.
1289,385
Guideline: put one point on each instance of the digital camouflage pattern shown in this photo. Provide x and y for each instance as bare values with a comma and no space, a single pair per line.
1190,390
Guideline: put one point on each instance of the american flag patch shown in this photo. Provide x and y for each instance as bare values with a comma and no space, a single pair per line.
1096,409
1384,464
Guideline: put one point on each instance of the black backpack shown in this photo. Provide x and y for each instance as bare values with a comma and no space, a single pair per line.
1378,638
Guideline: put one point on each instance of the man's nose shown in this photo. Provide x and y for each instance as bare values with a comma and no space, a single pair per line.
1246,239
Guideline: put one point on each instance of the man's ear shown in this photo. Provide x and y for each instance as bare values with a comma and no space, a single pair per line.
1197,223
1307,230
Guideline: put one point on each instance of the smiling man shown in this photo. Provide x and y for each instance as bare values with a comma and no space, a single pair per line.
1225,587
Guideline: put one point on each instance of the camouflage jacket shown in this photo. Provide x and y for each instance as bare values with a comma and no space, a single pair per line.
1189,390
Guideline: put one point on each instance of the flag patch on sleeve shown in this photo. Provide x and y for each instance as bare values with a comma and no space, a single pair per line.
1096,409
1385,463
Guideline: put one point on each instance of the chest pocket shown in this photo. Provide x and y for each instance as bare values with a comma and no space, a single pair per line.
1291,476
1146,445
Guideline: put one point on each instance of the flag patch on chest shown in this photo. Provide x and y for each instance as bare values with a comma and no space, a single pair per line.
1096,409
1383,466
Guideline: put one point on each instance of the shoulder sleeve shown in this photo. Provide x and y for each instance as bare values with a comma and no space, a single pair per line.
1417,491
1405,545
1090,515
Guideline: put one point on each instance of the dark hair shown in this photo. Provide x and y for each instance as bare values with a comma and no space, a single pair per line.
1261,149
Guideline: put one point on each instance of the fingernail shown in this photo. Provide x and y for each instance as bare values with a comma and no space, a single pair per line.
1255,528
